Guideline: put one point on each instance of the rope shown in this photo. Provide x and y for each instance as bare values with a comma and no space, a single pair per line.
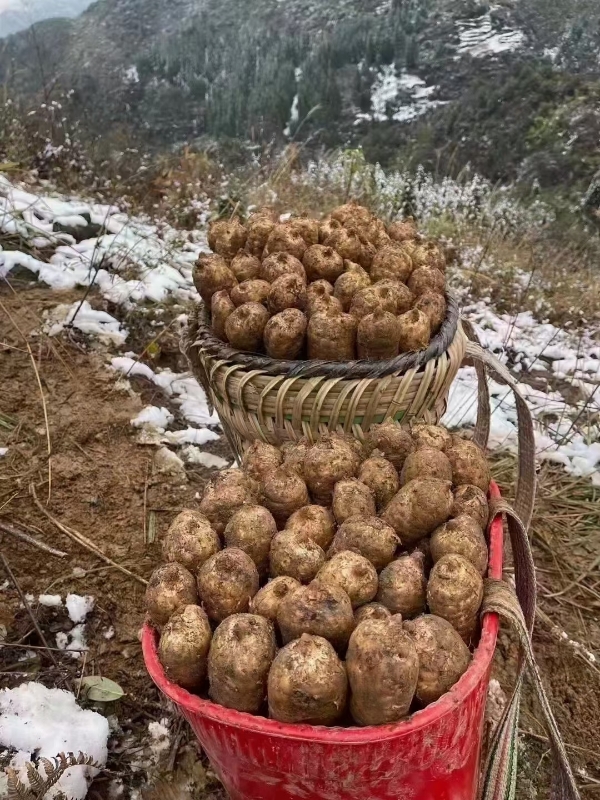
518,610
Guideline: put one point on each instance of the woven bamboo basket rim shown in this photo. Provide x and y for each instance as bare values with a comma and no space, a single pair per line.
202,337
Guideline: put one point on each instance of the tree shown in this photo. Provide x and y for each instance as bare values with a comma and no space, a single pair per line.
412,53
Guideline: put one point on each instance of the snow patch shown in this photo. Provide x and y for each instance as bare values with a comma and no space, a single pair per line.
154,418
132,75
50,600
294,111
79,607
40,722
478,38
131,262
193,455
386,89
182,387
82,316
532,345
197,436
160,736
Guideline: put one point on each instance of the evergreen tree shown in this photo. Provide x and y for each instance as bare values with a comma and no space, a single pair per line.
412,53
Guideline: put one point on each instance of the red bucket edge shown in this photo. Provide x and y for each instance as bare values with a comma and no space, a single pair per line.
480,665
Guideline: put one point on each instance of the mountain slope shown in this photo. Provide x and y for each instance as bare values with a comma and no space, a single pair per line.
16,15
511,87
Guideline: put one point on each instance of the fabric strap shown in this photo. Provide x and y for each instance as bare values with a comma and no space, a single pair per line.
486,363
515,606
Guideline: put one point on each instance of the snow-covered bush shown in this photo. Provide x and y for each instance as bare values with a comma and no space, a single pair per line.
472,200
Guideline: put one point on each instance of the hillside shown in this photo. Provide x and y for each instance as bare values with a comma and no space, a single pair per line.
510,88
123,440
16,15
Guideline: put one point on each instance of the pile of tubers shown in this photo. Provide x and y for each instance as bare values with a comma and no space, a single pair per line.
333,583
337,289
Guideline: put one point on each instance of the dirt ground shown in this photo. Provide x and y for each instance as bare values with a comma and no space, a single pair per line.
100,482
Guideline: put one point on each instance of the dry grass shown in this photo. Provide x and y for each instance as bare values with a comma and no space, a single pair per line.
550,271
565,533
554,278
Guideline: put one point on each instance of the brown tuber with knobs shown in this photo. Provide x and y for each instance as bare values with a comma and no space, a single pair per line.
221,307
227,582
184,646
383,671
455,593
346,265
381,476
377,336
332,336
170,588
352,281
190,541
241,654
244,327
403,586
211,275
307,683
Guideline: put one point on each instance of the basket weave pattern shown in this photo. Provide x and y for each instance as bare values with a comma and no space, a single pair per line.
258,398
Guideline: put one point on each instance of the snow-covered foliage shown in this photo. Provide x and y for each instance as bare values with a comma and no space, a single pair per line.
39,722
473,200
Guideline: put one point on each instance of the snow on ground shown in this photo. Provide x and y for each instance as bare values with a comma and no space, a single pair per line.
163,263
478,37
567,432
153,417
386,90
39,722
50,600
193,455
294,111
82,316
132,262
184,389
79,607
191,436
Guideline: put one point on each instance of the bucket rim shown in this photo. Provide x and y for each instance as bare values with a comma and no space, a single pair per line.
193,705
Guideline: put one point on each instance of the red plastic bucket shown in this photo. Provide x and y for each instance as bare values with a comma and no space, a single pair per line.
432,756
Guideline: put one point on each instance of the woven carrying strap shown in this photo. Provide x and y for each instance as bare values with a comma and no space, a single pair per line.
515,607
484,362
518,610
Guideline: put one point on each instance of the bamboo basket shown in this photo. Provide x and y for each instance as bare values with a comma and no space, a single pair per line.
257,397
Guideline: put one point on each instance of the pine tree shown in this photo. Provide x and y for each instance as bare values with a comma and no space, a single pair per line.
412,53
